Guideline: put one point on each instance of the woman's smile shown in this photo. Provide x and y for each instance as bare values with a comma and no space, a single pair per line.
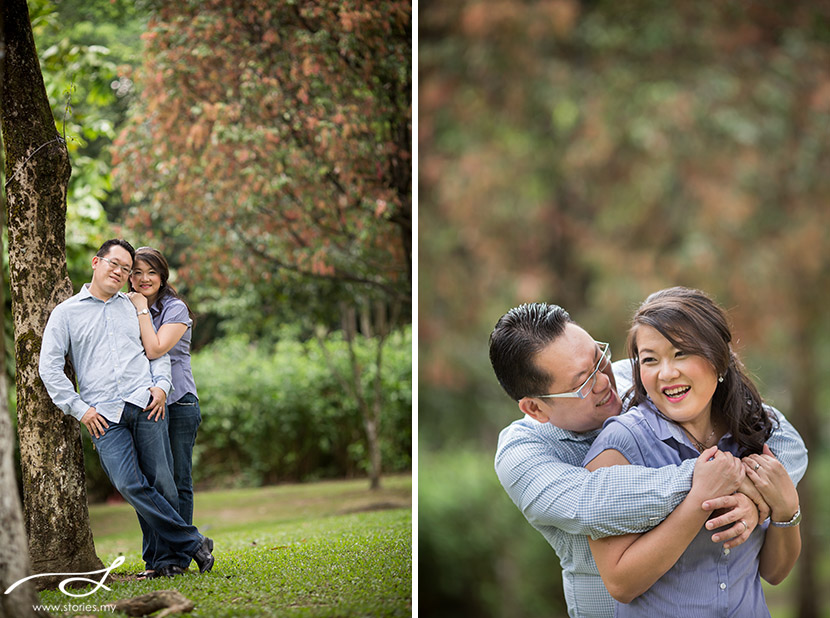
681,385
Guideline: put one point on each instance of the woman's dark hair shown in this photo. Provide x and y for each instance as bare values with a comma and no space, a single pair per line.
695,324
156,261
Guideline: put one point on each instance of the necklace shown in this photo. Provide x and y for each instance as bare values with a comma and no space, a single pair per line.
701,446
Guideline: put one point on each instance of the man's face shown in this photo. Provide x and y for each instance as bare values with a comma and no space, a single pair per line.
570,359
108,275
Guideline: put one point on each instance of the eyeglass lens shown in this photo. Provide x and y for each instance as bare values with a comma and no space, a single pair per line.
586,388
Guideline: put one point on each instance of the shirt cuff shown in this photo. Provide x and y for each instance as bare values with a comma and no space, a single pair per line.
78,408
165,385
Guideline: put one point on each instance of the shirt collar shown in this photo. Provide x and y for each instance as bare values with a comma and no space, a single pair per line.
670,432
156,308
85,294
571,436
663,429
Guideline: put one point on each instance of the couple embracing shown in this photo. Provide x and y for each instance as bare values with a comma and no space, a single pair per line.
136,395
664,483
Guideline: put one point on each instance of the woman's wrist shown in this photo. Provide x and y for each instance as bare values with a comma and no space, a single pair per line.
785,515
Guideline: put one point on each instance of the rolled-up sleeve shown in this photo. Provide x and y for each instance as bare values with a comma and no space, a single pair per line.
788,446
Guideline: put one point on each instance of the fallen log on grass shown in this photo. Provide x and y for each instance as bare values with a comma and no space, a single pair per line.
171,601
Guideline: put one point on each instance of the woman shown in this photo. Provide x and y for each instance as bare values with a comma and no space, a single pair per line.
692,398
166,324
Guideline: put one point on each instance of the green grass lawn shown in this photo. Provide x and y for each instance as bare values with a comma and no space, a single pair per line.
317,549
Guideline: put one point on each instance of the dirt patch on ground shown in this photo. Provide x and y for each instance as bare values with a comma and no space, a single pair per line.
375,506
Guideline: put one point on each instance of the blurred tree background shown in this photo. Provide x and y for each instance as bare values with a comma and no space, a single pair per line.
264,147
589,153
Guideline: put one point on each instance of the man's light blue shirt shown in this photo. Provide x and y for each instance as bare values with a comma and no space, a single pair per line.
103,341
540,467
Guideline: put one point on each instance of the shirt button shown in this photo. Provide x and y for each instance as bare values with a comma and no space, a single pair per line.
723,586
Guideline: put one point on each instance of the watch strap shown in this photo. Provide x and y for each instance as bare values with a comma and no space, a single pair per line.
796,519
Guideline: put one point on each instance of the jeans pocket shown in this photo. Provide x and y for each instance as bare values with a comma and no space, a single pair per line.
188,399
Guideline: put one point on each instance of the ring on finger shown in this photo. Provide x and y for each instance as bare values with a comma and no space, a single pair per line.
757,465
746,527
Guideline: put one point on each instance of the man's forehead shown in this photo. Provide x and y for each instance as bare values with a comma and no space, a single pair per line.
119,253
569,355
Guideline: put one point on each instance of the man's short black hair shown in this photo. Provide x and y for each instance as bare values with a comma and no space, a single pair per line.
519,335
105,248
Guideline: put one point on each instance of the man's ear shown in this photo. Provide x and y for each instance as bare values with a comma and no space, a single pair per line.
531,407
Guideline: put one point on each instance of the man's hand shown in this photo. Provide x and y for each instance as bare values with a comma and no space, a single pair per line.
717,473
95,423
740,511
156,405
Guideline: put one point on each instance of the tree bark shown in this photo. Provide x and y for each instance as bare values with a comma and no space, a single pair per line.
37,175
805,419
14,560
171,601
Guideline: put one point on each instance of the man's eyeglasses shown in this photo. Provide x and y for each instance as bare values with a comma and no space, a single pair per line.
583,391
114,265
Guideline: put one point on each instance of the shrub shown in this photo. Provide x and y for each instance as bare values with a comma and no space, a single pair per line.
281,414
477,554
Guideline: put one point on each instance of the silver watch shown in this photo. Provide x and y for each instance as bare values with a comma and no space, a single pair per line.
796,519
142,312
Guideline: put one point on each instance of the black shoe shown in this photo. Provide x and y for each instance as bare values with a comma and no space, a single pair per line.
169,570
203,557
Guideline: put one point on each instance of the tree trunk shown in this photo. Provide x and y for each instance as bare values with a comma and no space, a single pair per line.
37,175
371,403
14,563
369,407
14,560
805,419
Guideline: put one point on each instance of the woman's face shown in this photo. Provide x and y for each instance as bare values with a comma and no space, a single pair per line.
145,279
680,385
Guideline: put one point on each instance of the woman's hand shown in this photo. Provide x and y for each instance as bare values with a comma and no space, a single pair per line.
775,485
139,300
717,473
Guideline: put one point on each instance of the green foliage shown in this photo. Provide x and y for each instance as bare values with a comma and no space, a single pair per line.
279,414
477,555
591,153
88,100
300,162
272,414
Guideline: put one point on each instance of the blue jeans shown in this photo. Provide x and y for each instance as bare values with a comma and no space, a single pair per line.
135,454
185,417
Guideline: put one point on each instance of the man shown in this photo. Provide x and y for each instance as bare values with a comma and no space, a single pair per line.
120,400
567,387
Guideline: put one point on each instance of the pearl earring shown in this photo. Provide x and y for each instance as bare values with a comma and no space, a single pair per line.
720,378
